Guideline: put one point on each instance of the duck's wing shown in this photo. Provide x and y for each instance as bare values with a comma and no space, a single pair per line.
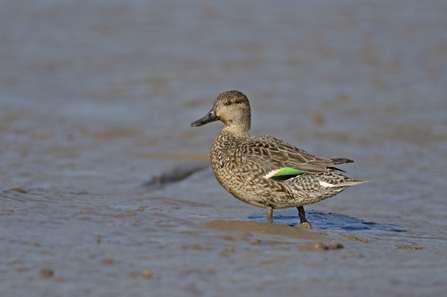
277,157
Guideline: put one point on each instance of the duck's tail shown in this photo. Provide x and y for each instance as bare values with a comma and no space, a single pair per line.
338,161
354,182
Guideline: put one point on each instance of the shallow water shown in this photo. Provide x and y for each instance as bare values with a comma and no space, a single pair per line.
95,105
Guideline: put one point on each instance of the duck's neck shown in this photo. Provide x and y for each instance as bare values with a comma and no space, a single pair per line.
239,131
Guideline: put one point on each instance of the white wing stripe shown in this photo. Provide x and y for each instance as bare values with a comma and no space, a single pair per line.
326,185
273,172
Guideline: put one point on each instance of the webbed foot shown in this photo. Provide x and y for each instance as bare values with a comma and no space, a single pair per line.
305,225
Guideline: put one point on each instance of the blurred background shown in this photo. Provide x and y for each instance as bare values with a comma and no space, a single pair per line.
96,97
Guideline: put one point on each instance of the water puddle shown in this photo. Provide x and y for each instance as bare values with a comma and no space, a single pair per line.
330,221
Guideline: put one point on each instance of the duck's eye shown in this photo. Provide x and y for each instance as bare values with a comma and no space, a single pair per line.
228,103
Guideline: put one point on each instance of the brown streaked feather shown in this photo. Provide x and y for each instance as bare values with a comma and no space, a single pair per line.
272,153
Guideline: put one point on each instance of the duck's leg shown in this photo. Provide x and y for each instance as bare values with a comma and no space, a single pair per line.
269,215
302,214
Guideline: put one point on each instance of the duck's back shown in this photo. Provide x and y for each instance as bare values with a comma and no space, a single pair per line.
273,154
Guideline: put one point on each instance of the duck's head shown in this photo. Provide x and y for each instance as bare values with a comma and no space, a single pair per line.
230,107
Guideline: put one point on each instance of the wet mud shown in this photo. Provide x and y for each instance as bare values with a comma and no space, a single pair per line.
105,190
264,228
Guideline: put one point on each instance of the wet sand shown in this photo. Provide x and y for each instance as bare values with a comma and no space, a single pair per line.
105,190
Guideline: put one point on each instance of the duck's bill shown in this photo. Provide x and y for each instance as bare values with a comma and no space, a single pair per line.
210,117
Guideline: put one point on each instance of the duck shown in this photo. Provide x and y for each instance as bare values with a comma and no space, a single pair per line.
265,171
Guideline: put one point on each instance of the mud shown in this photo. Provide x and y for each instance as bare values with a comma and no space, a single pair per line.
262,228
319,247
105,190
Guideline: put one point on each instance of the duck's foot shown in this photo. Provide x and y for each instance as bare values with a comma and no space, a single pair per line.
269,215
302,214
305,225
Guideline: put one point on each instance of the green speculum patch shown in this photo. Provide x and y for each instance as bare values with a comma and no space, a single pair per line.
289,171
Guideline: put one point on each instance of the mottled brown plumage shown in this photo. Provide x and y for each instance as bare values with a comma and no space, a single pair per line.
252,168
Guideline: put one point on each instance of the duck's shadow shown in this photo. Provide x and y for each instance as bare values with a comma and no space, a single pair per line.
327,221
